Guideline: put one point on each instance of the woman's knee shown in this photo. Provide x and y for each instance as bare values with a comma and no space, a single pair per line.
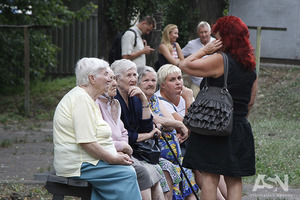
130,172
210,178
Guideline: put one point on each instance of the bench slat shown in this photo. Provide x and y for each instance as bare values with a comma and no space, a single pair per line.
57,179
78,183
63,186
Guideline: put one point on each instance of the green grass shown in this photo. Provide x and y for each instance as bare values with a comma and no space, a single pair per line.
44,96
275,121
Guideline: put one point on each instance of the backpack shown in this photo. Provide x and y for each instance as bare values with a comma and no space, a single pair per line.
115,52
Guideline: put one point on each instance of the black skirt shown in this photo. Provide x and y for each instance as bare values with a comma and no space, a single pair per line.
232,155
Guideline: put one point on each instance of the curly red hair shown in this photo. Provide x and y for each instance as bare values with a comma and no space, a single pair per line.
235,37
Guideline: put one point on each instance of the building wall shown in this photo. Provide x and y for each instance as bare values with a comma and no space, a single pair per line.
272,13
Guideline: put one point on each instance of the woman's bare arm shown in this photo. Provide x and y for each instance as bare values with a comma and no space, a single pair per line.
97,151
163,49
253,95
210,66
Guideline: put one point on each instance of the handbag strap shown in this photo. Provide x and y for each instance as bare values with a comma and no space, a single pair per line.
161,98
226,68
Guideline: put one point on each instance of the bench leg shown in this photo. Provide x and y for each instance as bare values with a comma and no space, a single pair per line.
85,198
58,197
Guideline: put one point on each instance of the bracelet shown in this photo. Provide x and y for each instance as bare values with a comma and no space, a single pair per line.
147,106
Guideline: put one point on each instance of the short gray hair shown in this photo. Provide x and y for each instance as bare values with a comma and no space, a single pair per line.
203,23
165,70
119,67
142,72
88,66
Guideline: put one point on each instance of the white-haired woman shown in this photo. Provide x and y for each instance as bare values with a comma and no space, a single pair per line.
136,116
111,112
83,147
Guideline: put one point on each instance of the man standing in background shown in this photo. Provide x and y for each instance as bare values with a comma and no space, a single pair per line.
137,53
204,32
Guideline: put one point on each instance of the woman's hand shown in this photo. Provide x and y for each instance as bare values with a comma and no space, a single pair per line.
127,148
154,132
186,93
183,131
97,151
150,135
121,159
182,137
136,91
212,47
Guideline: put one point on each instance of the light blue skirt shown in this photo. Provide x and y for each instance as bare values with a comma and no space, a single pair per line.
118,182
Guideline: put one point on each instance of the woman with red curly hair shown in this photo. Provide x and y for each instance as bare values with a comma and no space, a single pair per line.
232,156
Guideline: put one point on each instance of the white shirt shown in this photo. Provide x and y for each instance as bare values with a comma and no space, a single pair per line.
180,108
77,119
127,44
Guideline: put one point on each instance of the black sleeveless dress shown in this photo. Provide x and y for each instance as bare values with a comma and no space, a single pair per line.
162,60
231,155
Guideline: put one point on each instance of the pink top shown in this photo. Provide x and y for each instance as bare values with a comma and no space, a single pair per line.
111,112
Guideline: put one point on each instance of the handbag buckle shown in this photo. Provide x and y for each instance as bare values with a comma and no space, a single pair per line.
205,88
224,91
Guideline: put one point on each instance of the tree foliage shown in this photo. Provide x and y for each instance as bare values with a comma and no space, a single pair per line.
122,13
52,13
183,13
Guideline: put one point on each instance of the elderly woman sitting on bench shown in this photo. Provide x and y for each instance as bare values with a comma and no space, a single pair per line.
83,147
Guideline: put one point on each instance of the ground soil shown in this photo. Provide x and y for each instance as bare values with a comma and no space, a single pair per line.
25,151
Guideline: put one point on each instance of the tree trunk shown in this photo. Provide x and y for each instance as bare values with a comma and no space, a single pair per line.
154,39
209,11
105,36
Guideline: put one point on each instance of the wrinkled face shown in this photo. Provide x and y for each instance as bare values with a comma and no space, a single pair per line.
173,83
128,79
148,84
101,81
146,28
173,35
204,34
112,89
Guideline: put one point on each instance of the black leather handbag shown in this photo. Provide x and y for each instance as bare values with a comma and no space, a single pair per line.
147,150
212,111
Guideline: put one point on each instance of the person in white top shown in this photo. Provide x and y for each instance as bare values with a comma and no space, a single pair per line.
176,97
137,54
204,33
83,147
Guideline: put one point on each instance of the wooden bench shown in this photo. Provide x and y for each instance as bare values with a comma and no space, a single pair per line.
62,186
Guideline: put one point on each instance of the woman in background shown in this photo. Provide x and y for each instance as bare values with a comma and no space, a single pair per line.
169,51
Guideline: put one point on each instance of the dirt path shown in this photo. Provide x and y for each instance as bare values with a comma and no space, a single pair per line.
25,151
